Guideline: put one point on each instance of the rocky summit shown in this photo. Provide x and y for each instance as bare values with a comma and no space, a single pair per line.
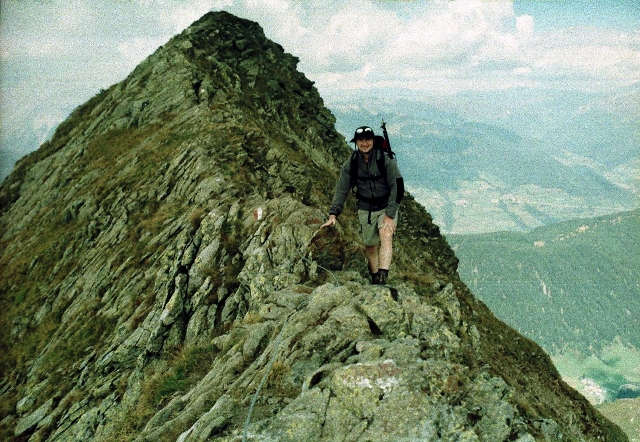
163,277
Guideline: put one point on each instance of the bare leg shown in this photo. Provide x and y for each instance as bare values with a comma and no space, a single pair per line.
371,252
386,246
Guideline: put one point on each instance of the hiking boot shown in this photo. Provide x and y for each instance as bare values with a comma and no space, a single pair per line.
383,274
375,278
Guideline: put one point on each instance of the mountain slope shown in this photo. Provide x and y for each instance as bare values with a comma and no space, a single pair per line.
625,411
163,278
477,178
573,288
572,284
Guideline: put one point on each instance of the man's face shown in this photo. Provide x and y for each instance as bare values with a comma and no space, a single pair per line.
364,144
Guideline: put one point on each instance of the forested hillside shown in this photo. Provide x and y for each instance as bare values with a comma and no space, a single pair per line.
573,287
573,284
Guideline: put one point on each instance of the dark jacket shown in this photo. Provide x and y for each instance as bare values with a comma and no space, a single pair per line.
373,191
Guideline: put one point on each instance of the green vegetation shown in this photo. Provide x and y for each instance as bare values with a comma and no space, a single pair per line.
188,367
569,285
573,288
164,380
624,412
608,369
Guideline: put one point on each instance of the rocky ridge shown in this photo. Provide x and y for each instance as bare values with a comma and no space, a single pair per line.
163,277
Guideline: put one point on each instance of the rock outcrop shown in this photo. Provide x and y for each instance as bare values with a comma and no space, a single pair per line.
163,277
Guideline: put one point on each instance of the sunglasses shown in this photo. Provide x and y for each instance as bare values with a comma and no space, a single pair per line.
363,130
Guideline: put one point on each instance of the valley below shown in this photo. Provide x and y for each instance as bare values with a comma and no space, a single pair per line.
573,287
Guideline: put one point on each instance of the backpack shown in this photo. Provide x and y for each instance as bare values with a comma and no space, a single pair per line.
379,144
382,143
380,149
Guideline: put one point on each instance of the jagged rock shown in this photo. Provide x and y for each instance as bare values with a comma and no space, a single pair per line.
25,404
163,274
29,422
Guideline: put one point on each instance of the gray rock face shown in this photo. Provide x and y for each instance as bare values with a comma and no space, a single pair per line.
29,422
163,277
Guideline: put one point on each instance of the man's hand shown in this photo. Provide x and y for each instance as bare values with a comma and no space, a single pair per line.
331,222
388,224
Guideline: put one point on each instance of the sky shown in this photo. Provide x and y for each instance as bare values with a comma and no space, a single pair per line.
56,54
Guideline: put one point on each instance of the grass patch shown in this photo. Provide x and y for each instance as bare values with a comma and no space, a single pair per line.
615,365
55,363
180,373
252,318
624,412
196,217
154,223
186,369
88,335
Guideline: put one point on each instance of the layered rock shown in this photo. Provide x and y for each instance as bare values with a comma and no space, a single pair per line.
163,277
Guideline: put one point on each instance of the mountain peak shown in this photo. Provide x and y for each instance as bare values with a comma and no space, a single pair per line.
164,277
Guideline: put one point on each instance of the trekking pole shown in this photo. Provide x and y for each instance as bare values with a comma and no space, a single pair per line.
383,126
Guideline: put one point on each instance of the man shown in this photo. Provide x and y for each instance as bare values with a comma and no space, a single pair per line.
380,189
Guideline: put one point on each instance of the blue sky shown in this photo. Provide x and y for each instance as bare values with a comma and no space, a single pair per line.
620,15
56,54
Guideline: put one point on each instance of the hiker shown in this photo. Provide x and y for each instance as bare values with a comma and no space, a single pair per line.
380,187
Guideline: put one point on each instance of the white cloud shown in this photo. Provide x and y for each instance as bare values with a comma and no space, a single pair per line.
330,37
431,48
176,16
456,46
350,49
586,59
42,48
137,49
524,70
524,25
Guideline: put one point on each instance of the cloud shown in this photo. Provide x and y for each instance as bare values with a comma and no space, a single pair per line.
350,49
174,16
471,44
448,47
585,59
431,47
524,25
44,29
137,49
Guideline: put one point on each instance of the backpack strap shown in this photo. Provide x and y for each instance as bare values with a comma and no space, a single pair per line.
353,168
382,169
380,162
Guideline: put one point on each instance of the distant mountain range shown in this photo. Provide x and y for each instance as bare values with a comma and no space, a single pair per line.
574,284
573,287
526,165
475,177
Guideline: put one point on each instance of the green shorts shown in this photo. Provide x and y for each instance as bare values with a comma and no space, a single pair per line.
370,234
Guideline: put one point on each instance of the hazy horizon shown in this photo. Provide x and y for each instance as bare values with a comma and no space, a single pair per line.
565,74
